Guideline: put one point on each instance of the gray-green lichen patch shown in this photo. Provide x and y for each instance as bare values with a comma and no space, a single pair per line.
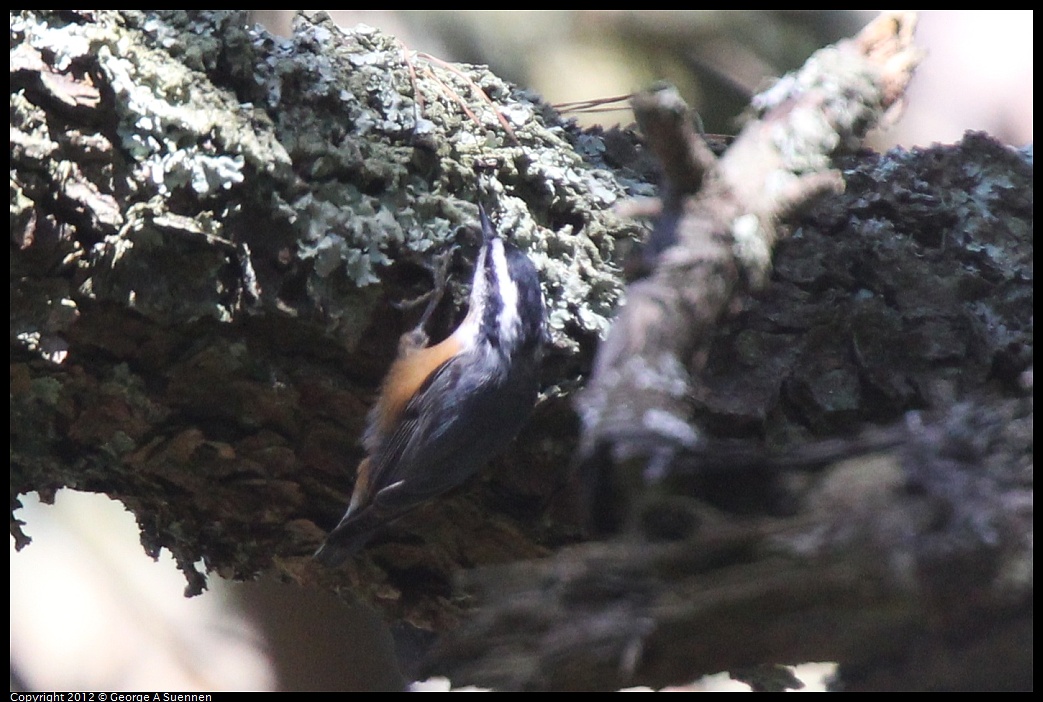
331,154
127,155
389,140
207,226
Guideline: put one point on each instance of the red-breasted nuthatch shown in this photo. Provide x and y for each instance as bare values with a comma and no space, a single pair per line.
445,410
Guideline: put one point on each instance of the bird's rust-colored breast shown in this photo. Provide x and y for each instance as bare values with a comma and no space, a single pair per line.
409,371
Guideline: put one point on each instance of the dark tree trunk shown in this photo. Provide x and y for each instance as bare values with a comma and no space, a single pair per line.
212,228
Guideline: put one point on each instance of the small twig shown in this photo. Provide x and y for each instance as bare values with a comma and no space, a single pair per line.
418,96
595,105
474,86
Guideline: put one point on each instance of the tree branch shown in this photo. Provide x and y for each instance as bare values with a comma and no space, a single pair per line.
210,228
734,559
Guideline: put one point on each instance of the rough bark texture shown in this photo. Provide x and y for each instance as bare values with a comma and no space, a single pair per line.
211,230
911,566
209,226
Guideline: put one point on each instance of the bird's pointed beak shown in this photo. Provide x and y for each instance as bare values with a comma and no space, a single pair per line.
488,231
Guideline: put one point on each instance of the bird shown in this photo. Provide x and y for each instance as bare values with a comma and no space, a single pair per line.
445,410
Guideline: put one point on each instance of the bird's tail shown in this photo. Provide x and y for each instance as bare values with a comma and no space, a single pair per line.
349,537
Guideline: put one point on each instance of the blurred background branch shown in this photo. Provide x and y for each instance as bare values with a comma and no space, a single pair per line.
733,53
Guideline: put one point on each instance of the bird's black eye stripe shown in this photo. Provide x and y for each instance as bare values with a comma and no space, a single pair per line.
530,303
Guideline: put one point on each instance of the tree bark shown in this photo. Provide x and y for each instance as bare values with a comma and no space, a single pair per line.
212,230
